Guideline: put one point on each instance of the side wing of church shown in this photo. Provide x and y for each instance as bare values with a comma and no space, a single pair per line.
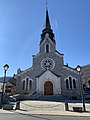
48,75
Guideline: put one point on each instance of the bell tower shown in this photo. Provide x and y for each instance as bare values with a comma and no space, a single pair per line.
47,42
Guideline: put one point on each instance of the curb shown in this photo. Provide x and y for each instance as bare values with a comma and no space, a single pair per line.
75,114
62,113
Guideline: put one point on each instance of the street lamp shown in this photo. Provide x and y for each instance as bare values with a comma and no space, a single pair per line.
82,90
6,66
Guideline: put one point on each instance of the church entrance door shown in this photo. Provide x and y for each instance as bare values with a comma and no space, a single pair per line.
48,88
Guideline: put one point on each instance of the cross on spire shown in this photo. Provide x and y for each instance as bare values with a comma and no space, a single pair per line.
46,3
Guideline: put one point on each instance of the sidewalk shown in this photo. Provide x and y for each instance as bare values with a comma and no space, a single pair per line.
7,111
55,113
48,108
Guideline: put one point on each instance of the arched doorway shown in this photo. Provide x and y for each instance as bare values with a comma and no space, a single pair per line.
48,88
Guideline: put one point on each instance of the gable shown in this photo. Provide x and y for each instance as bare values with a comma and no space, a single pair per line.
48,75
47,38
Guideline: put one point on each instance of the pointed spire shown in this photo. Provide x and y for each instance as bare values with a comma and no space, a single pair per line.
47,21
47,28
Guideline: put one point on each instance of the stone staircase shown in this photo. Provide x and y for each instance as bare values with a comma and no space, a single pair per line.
60,98
34,96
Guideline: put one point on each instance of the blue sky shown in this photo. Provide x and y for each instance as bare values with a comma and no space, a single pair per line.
21,23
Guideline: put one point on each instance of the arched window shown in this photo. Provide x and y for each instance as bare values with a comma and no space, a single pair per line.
23,85
30,84
47,48
27,81
27,84
70,82
67,85
74,83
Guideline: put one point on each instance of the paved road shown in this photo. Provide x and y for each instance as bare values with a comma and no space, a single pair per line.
16,116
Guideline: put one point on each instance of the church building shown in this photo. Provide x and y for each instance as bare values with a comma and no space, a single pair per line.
48,76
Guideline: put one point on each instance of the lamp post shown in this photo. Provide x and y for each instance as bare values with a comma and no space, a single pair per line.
6,66
82,89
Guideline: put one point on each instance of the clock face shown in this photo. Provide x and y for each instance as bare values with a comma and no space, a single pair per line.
47,63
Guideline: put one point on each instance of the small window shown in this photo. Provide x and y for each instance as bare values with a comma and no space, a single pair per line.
47,48
89,83
67,85
70,81
30,84
23,85
27,80
74,83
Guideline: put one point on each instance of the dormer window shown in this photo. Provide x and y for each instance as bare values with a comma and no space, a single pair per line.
47,48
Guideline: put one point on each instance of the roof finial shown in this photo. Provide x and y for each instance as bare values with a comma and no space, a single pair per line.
46,4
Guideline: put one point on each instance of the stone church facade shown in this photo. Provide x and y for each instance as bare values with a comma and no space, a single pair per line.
48,76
